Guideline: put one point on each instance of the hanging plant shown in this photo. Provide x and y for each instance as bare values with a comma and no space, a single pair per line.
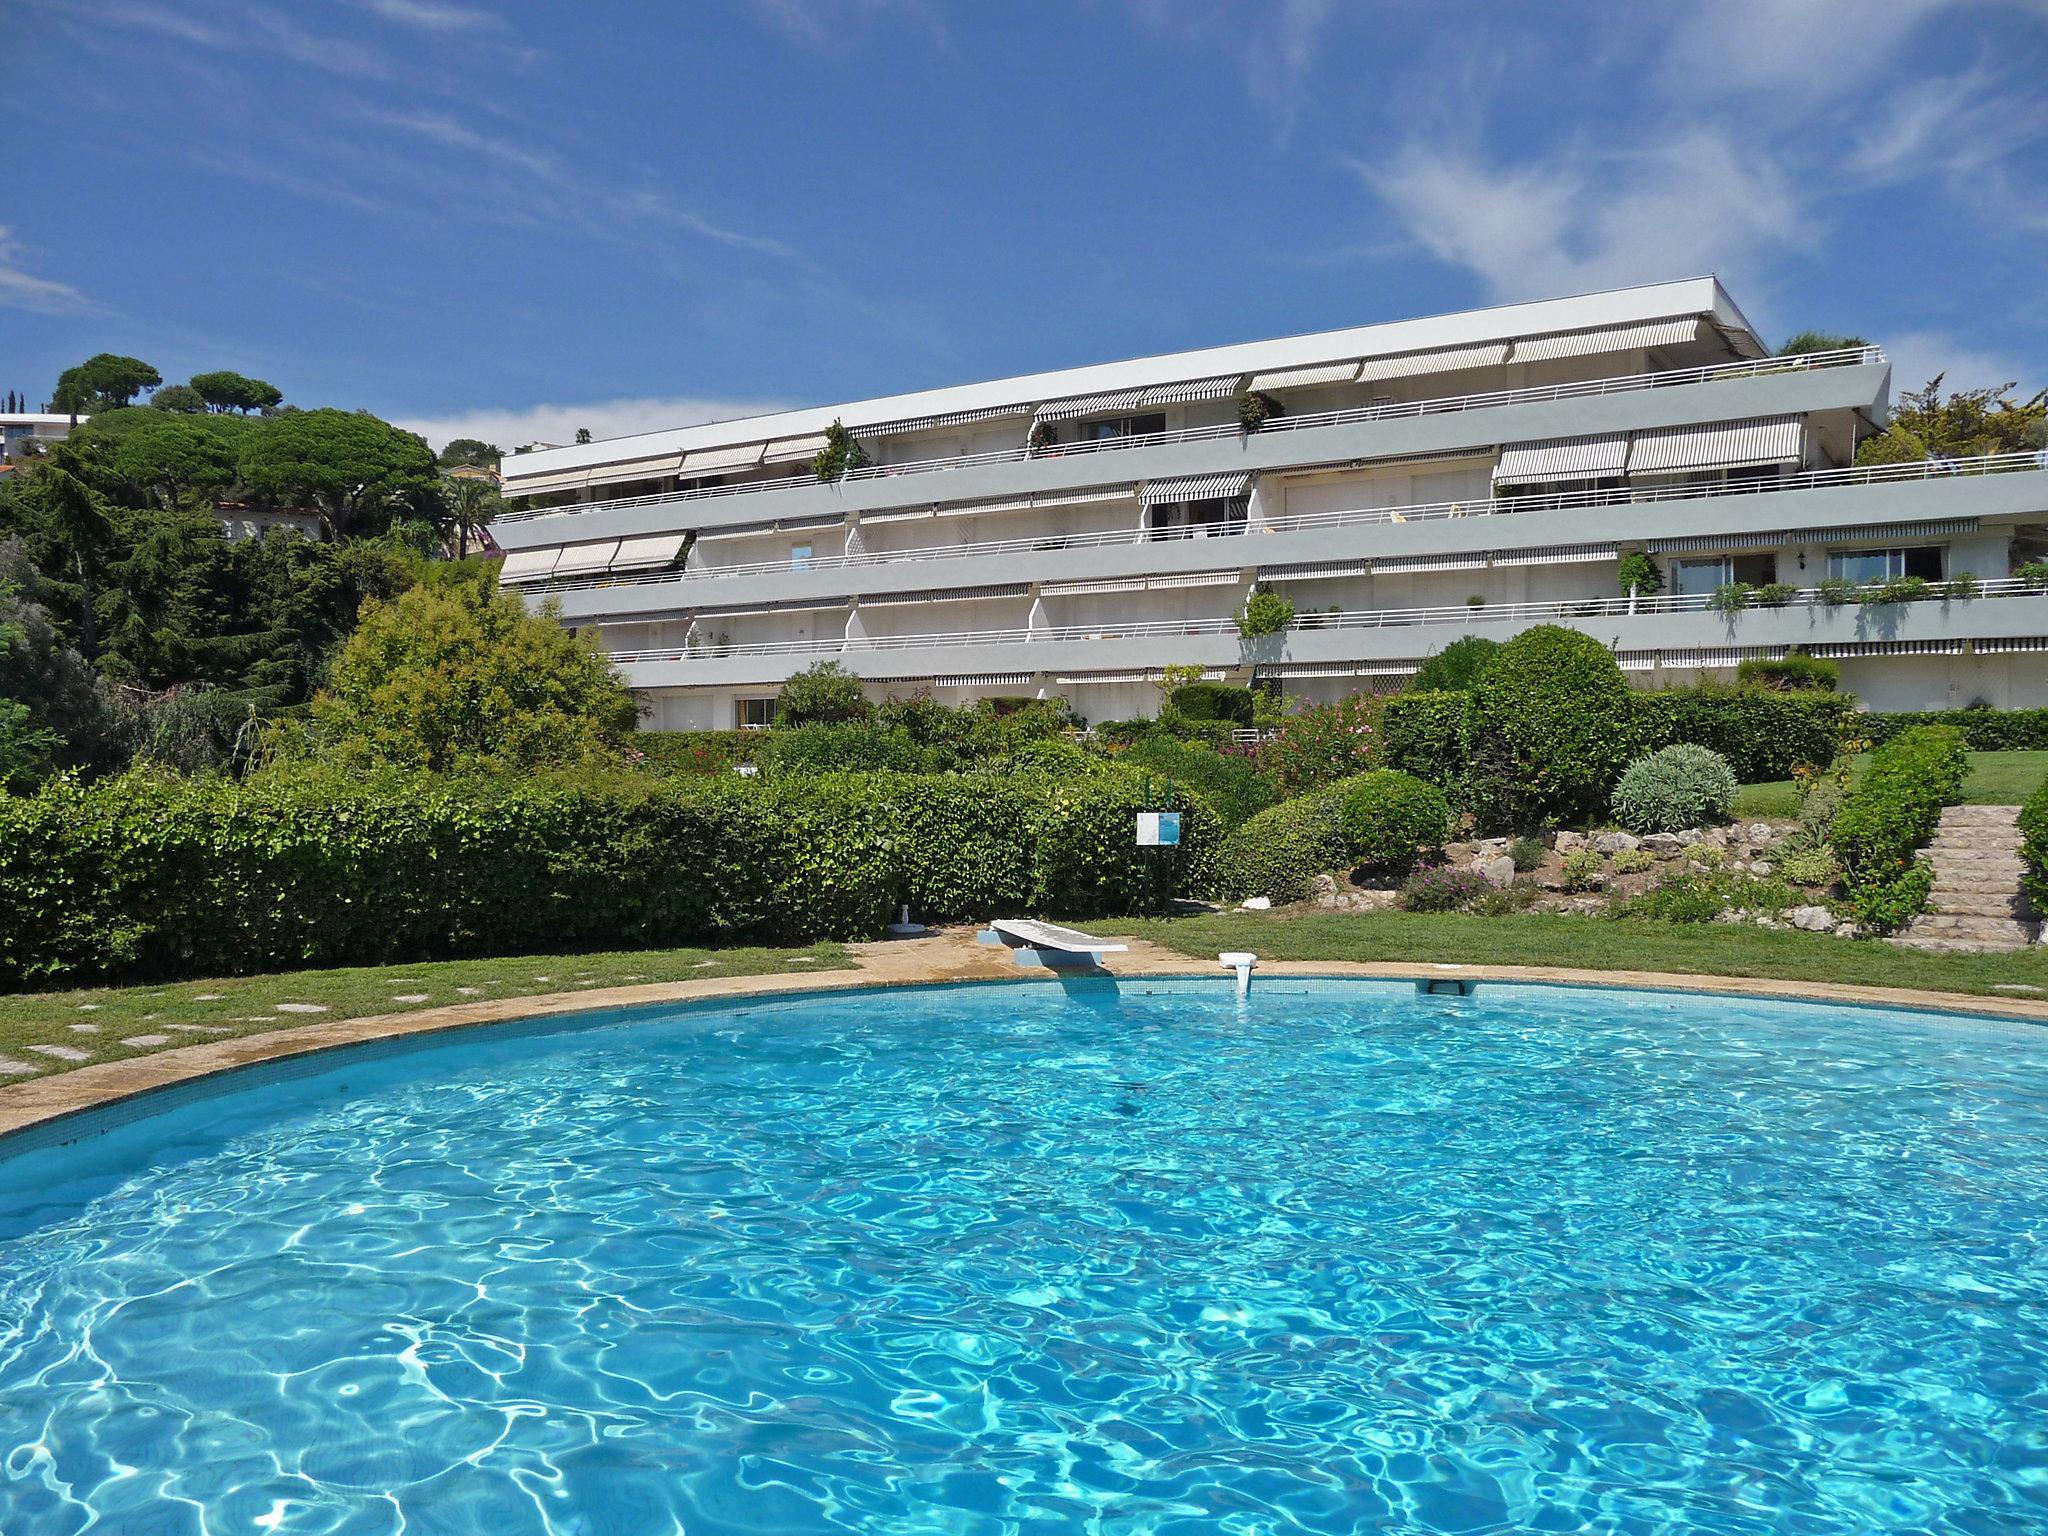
1265,613
1638,573
1043,435
1254,410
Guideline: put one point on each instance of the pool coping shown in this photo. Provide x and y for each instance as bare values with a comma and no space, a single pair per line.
947,956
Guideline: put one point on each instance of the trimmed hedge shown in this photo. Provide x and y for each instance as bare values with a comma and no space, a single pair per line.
2034,848
1889,814
1549,730
1390,819
1279,852
141,876
1986,730
1429,734
1230,781
1212,701
1764,733
853,746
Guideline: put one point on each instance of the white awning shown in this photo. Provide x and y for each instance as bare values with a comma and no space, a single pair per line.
583,559
648,553
1197,488
1091,405
1729,445
2010,646
705,461
1575,554
1088,588
994,504
795,449
1088,496
1698,543
1412,564
655,468
950,419
985,680
765,530
1306,378
1571,458
1193,389
1612,338
1193,579
1103,678
529,565
910,515
1878,533
540,485
950,595
1320,570
1445,360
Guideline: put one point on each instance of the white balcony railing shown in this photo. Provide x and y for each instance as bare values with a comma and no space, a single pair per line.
1373,618
1419,512
1390,410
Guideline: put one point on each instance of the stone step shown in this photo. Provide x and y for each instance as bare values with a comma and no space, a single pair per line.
2000,855
1980,813
1979,904
1974,877
1951,886
2003,930
1958,946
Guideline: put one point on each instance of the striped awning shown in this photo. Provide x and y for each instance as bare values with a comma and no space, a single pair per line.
2010,645
648,553
1409,365
1320,570
1875,533
1408,565
949,595
907,515
655,468
985,680
1697,543
1091,405
1611,338
1726,445
705,461
1086,496
1089,588
541,485
583,559
1104,677
1569,458
1306,378
1197,488
1573,554
949,419
791,450
1173,579
1193,389
529,565
1854,648
992,504
763,530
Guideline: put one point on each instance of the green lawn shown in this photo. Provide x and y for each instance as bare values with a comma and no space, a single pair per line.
1597,943
118,1023
1996,778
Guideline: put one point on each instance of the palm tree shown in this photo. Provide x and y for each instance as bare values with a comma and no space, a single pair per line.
473,504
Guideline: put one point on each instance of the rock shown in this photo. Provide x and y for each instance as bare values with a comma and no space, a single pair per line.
1848,931
1490,847
1760,867
1691,837
1761,833
1615,842
1323,888
1813,919
1662,844
1256,904
1499,870
1567,841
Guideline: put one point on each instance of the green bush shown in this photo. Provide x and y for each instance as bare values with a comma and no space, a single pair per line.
1583,870
854,746
1055,756
694,752
1549,730
1456,667
1428,734
1796,671
142,876
1673,788
1265,612
1279,852
1636,572
1986,730
1322,744
1391,819
1763,733
1730,597
1835,591
1702,897
824,693
2034,848
842,453
1442,889
1231,782
1212,701
1527,853
1889,814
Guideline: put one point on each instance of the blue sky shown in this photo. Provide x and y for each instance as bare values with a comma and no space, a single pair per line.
513,218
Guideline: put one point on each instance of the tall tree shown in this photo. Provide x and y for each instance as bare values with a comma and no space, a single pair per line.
103,382
356,471
471,505
1971,422
182,398
228,391
84,524
473,451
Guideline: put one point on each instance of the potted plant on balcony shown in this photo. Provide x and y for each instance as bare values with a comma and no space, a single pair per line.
1254,410
1638,575
1731,597
1043,435
840,455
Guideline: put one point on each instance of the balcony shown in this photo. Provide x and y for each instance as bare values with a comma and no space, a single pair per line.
1878,494
1285,440
2001,610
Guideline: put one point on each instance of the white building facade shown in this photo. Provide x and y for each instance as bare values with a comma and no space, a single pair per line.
1072,533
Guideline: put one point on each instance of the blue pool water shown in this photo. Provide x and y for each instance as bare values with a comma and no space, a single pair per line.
1033,1259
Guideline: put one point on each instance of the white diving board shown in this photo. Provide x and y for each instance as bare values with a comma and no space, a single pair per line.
1051,937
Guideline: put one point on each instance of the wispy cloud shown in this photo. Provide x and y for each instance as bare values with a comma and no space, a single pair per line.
509,428
249,29
20,289
823,25
1277,42
435,15
1918,356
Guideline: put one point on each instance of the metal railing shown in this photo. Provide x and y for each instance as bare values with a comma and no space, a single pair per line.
1418,512
1388,410
1375,618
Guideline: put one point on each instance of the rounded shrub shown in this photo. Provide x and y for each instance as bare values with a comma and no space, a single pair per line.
1551,721
1678,786
1456,667
1279,852
1390,820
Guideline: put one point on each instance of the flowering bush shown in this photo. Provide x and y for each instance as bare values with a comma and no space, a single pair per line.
1439,888
1324,743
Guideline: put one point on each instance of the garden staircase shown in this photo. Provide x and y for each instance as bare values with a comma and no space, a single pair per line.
1976,905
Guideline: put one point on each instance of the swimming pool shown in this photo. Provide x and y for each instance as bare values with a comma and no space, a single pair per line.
1128,1258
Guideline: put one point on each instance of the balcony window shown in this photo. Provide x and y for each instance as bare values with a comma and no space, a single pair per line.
799,556
1864,565
1198,519
1702,578
1123,426
753,714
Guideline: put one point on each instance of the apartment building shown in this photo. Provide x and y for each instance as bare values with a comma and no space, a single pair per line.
1072,533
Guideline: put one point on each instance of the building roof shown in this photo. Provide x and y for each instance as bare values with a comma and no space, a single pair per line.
1701,296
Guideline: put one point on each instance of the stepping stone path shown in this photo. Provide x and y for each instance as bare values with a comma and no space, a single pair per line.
408,997
9,1067
1977,904
83,1029
143,1040
62,1052
302,1008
